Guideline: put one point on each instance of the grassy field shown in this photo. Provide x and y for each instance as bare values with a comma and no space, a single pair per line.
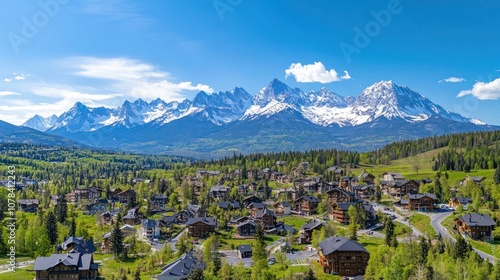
399,229
19,274
423,224
295,221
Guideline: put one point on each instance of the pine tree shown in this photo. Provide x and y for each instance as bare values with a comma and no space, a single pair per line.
61,210
390,237
423,250
310,275
496,177
51,226
116,241
137,275
196,274
72,227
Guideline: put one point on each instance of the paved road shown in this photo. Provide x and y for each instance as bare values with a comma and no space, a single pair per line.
436,220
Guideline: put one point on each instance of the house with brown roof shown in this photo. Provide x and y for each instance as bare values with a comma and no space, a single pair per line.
341,256
476,226
91,195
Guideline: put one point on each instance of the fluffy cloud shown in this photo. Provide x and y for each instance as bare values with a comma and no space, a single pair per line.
315,72
484,91
133,78
453,80
17,77
7,93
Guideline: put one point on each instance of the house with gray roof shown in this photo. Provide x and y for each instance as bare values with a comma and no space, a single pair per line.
77,244
201,227
181,267
342,256
244,251
66,266
150,229
477,226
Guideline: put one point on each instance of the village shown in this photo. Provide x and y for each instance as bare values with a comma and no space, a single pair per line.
290,209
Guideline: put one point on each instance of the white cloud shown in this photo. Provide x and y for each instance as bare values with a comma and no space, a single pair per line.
7,93
17,77
484,91
133,78
315,72
453,80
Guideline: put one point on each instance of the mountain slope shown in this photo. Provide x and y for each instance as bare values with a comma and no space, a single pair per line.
12,133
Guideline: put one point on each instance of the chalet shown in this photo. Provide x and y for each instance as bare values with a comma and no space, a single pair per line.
89,194
242,190
77,245
367,178
422,202
341,256
275,175
219,191
266,218
246,228
478,180
253,186
305,233
180,268
336,194
228,205
244,251
113,194
307,204
201,227
126,196
282,208
195,209
425,181
150,229
476,226
393,176
158,203
133,217
255,207
28,205
282,229
288,193
340,211
66,266
169,221
402,187
196,187
364,192
337,171
106,217
54,199
184,215
238,220
251,199
284,179
29,182
346,182
127,230
456,202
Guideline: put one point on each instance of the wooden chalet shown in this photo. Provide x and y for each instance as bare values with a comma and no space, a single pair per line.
305,233
422,202
341,256
246,228
126,196
266,218
28,205
133,217
66,266
91,195
306,204
403,187
476,226
244,251
282,208
219,192
158,203
456,202
201,227
367,178
336,194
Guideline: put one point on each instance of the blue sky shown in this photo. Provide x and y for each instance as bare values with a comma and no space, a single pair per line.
56,52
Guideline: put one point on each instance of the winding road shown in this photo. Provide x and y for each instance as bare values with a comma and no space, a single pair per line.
436,220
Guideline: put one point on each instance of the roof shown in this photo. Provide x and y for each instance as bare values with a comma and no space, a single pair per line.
28,201
340,244
237,219
419,196
148,223
228,204
258,205
312,224
160,197
344,206
463,200
219,188
477,220
82,261
207,220
131,214
247,222
79,245
395,175
365,174
180,268
244,248
309,198
283,203
261,212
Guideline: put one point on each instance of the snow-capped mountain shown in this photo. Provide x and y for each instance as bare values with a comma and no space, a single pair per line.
40,123
278,117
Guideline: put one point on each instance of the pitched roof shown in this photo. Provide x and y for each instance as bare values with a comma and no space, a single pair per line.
148,223
312,224
207,220
180,268
344,206
246,222
79,245
477,219
28,201
82,261
258,205
419,196
261,212
131,214
309,198
463,200
219,188
283,203
340,244
244,248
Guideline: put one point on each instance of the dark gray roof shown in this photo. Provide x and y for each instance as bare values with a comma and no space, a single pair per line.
312,224
464,200
148,223
477,219
284,203
244,248
169,219
79,245
344,206
180,268
419,196
340,244
28,201
82,261
309,198
207,220
247,222
258,205
131,214
237,219
219,188
260,213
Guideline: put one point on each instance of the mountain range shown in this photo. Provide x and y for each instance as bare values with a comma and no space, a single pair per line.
277,118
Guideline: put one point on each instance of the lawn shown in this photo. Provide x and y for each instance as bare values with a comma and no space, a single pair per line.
295,221
20,274
399,229
423,224
109,267
371,243
227,241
